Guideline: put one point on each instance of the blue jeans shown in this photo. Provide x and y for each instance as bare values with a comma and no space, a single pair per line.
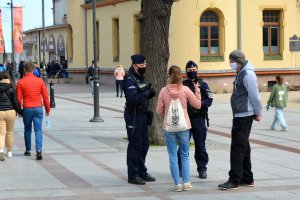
33,116
278,117
183,138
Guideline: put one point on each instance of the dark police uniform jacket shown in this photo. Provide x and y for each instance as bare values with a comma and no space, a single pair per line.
206,99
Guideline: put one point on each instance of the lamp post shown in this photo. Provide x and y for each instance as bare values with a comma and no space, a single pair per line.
13,68
96,117
44,75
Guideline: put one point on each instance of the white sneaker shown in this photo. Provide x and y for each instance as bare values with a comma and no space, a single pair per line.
187,186
2,156
284,130
9,154
177,188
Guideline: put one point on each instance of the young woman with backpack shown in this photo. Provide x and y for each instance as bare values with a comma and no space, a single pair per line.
176,128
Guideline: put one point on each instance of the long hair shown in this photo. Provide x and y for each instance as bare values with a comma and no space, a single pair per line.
279,79
5,75
175,75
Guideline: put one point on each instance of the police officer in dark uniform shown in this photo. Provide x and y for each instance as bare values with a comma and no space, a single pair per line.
137,118
199,117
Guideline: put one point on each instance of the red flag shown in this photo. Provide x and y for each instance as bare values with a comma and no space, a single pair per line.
18,29
1,35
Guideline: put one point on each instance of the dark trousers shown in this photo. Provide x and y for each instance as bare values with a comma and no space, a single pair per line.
119,87
138,144
240,152
199,132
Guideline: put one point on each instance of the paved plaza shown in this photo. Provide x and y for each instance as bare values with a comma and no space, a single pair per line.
87,160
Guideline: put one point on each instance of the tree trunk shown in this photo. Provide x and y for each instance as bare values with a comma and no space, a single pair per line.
154,20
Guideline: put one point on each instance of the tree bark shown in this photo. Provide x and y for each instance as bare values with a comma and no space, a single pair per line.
154,21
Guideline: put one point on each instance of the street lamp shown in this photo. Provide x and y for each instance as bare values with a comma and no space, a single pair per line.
96,117
44,75
14,73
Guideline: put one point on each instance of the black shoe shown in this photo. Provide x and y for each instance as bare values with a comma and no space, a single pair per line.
27,153
148,178
247,183
137,181
117,95
203,175
39,156
228,186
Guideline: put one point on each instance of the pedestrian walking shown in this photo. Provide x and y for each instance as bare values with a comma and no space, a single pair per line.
37,70
246,107
21,68
119,75
174,90
278,99
93,74
8,107
3,67
137,119
199,118
32,95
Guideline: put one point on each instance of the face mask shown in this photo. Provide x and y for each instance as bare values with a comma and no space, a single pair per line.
233,65
192,75
141,70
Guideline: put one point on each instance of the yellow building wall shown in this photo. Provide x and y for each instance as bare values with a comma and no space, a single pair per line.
76,20
184,33
184,37
252,23
125,12
55,32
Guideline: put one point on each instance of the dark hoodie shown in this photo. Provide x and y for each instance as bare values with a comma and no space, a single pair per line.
8,97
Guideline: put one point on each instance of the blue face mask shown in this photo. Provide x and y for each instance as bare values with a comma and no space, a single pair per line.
233,65
192,75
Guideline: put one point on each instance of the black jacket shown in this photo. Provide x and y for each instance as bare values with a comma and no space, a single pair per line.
8,98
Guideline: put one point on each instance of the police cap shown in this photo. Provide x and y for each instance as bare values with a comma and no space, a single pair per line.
138,59
190,64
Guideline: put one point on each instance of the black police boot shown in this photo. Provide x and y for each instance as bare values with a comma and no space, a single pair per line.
203,175
136,181
148,178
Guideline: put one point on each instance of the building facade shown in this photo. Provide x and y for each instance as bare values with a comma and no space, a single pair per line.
203,31
55,38
55,44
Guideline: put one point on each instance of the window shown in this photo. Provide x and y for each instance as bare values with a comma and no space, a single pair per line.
271,32
209,34
137,35
70,43
116,40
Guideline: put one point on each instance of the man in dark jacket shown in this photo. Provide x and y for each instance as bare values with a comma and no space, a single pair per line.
246,107
137,95
93,74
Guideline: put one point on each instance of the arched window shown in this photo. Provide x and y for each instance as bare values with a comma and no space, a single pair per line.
209,34
70,43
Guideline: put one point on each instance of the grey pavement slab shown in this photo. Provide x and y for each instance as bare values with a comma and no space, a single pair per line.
87,160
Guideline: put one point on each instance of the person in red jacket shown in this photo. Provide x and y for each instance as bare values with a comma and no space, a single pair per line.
32,95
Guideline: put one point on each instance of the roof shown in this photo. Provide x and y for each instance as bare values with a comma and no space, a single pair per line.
46,28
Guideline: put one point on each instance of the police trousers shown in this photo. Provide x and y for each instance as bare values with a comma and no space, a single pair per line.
138,144
199,133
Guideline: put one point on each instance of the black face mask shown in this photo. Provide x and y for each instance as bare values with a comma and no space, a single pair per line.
141,70
192,75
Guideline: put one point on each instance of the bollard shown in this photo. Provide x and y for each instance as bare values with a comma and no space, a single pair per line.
52,101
